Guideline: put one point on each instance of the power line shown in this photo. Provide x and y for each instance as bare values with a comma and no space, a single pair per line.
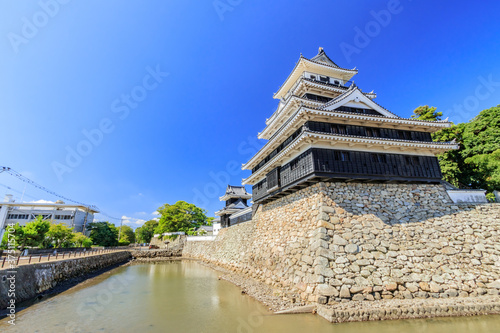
43,188
13,189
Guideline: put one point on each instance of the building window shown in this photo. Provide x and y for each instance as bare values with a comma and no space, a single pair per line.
404,135
62,217
18,216
313,77
412,160
343,156
378,158
339,129
324,79
372,132
294,164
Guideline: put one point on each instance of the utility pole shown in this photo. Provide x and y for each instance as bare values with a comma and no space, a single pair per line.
120,230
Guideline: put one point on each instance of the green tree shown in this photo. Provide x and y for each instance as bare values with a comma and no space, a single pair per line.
60,235
145,233
181,216
80,240
476,163
19,238
487,168
127,235
35,231
103,233
426,112
30,235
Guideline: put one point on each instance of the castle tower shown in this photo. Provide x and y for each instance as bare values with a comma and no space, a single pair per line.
326,128
236,201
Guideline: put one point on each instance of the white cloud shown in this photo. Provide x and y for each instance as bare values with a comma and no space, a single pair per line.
132,221
42,201
155,213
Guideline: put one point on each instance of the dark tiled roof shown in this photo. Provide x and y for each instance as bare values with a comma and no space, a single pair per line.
381,138
322,53
236,190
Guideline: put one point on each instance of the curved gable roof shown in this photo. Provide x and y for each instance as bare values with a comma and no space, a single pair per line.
356,95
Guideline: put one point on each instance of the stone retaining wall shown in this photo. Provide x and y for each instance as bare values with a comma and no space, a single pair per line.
31,280
151,254
351,241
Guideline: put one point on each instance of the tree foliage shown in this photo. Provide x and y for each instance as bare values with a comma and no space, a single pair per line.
145,233
127,235
60,235
426,112
80,240
476,164
18,238
103,233
181,216
34,232
44,234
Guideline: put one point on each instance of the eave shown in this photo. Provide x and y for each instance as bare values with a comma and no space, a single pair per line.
347,142
304,114
307,85
305,64
234,196
352,94
227,211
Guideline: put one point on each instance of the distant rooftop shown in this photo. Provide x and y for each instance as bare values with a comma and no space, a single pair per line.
235,192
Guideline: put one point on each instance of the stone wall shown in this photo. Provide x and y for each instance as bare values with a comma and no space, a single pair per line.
156,254
229,249
351,241
33,279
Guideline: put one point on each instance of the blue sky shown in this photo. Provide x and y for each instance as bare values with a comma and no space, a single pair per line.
203,74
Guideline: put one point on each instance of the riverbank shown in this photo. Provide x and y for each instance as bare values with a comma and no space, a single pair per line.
42,279
357,311
270,297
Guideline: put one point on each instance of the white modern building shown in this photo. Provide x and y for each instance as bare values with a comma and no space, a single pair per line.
74,216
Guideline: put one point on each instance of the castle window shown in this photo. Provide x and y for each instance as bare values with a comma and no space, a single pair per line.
404,135
373,132
378,158
324,79
343,156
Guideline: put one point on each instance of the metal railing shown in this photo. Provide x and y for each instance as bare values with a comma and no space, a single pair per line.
46,257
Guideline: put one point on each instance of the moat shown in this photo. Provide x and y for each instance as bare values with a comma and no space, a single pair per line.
184,296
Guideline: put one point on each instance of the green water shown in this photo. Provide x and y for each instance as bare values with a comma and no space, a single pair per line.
188,297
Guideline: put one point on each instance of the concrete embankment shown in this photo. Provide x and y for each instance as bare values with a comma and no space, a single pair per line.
31,280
